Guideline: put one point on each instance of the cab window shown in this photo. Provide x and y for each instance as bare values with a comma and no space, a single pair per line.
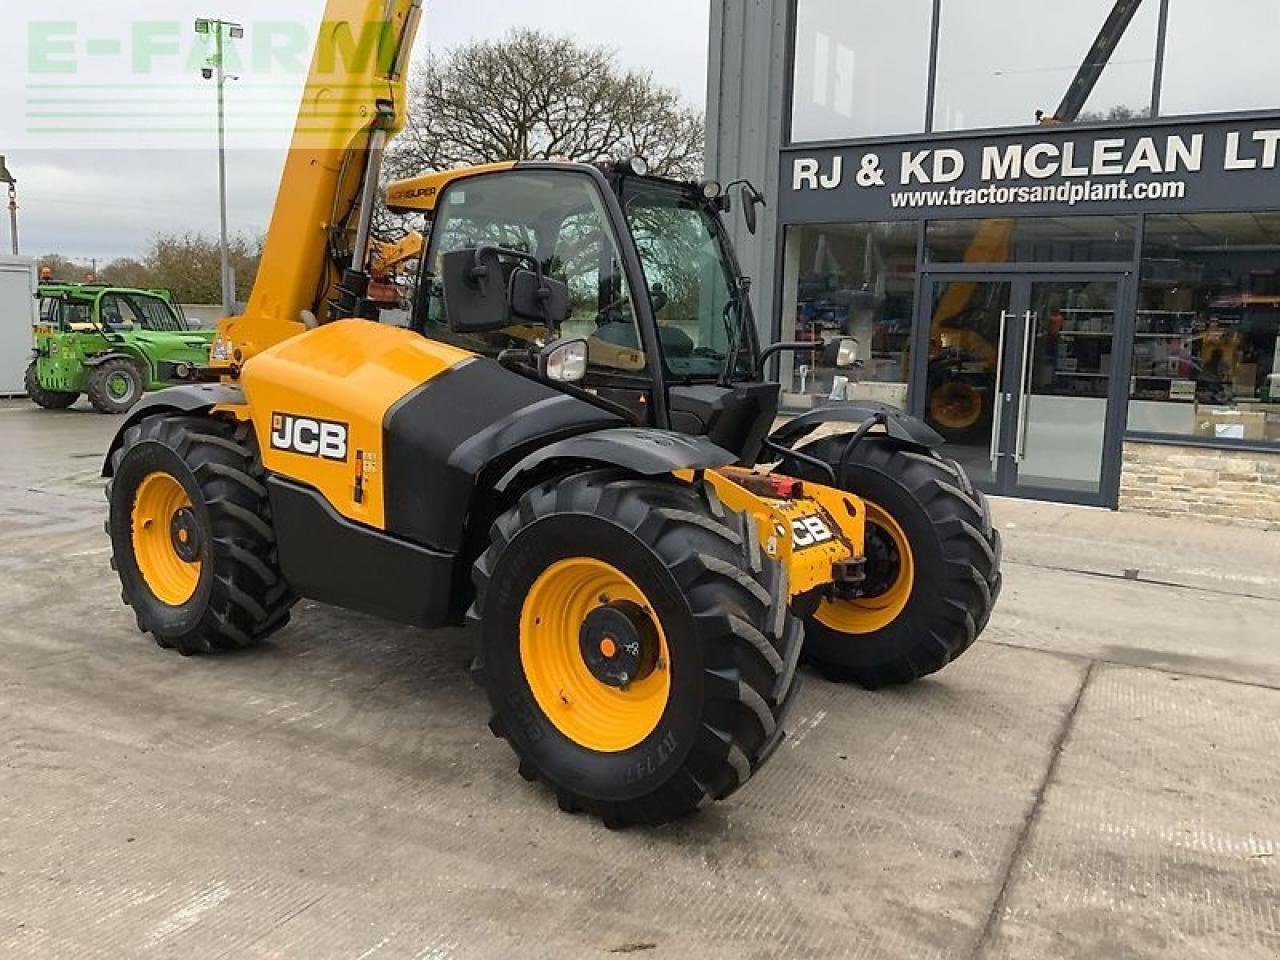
155,314
691,281
116,313
558,217
75,313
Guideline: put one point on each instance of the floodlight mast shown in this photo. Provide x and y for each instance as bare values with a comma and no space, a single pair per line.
221,29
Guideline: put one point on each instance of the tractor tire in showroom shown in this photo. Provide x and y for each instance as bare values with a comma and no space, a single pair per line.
933,567
116,386
49,399
635,643
191,535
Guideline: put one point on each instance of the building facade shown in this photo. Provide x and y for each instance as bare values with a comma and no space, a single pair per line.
1054,230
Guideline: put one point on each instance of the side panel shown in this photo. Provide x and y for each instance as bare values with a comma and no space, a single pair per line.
318,402
443,436
329,558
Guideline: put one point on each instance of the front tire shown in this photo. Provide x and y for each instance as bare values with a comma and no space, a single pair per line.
116,386
933,567
191,535
48,399
635,644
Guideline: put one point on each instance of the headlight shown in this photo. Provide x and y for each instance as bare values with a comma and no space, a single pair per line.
565,361
221,351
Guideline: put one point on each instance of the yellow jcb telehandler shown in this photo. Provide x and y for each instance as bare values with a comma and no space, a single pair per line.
562,450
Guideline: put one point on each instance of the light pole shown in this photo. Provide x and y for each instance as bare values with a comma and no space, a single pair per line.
12,181
216,69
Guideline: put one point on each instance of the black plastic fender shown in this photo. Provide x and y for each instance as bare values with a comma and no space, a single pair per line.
98,359
192,398
898,425
647,452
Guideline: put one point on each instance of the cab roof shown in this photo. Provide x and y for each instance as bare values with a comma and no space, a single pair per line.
420,193
90,291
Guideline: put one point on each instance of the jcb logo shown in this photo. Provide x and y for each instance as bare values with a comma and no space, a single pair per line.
311,438
809,532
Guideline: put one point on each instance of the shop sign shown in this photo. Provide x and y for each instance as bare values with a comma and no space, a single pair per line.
1218,166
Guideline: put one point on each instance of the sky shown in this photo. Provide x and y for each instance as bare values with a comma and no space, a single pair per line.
85,194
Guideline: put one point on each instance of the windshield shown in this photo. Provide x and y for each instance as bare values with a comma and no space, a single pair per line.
691,280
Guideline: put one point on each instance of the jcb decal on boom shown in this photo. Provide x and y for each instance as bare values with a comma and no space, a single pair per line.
810,531
323,439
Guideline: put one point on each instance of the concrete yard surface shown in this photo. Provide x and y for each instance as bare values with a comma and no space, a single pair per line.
1098,777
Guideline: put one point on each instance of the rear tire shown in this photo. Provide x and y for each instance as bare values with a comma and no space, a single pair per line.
219,587
48,399
939,574
116,386
719,605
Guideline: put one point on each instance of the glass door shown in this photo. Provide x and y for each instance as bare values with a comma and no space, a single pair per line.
1065,373
1020,380
967,340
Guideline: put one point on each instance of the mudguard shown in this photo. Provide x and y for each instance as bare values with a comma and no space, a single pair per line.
192,398
897,424
647,452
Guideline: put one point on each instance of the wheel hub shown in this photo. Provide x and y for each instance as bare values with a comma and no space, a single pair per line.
619,643
884,562
184,533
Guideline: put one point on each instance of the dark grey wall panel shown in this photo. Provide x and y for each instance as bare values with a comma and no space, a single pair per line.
746,113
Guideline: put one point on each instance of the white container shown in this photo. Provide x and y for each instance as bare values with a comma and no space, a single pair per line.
18,314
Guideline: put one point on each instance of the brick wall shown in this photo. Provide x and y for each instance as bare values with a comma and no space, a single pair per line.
1224,486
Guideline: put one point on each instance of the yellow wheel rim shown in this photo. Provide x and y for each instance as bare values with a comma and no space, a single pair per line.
956,406
162,525
870,614
589,711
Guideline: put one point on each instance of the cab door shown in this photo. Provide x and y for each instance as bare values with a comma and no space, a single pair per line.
564,218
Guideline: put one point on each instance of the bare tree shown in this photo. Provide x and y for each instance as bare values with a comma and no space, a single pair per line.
534,96
188,264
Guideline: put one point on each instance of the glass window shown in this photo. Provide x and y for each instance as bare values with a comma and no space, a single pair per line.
858,281
155,313
75,313
1206,354
1032,240
862,68
1221,56
118,314
560,219
1001,61
692,285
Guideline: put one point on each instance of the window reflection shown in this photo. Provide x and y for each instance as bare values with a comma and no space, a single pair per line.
1001,61
1032,240
854,281
1221,56
862,68
1206,356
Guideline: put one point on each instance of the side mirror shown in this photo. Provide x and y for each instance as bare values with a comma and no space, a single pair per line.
475,291
751,198
564,361
537,298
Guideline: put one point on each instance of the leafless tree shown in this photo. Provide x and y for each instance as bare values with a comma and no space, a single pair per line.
534,96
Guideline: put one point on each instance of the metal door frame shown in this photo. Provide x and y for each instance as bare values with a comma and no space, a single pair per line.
1021,280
